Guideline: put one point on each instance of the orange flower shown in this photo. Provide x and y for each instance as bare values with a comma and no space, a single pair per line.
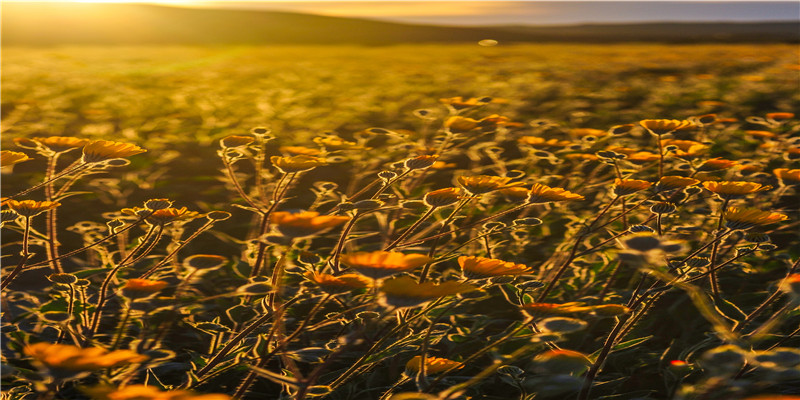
299,151
788,176
236,141
686,149
61,144
380,264
624,187
162,216
294,164
780,116
545,194
144,285
460,103
102,150
337,143
304,223
746,218
12,157
459,124
442,197
660,127
728,190
142,392
482,267
670,182
761,134
68,358
337,284
583,132
541,142
433,365
716,164
481,184
406,292
30,208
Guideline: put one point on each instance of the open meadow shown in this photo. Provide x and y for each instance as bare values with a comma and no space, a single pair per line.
531,221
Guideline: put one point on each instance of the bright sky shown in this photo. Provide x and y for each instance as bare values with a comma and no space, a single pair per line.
487,12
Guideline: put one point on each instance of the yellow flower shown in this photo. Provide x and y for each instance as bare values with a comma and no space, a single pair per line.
336,143
142,392
516,192
162,216
337,284
788,176
294,164
624,187
660,127
380,264
746,218
670,182
61,144
728,190
433,365
102,150
299,151
12,157
716,164
460,103
30,208
406,292
541,142
545,194
459,124
761,134
686,149
236,141
481,184
144,285
481,267
583,132
68,358
304,223
780,116
442,197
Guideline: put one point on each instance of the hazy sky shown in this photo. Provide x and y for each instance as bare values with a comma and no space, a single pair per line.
519,12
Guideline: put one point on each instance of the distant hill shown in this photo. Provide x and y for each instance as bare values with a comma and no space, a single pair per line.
48,24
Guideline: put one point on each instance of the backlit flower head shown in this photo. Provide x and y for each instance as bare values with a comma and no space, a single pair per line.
716,164
745,218
481,267
442,197
299,151
142,392
481,184
545,194
624,187
234,141
62,359
61,144
30,208
420,162
787,176
433,365
728,190
294,164
337,284
460,103
685,149
670,182
583,132
406,292
660,127
162,216
537,141
304,223
144,285
337,143
380,264
12,157
103,150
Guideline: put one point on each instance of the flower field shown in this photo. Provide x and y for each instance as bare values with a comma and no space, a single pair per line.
552,221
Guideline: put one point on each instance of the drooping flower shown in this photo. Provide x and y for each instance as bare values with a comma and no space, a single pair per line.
337,284
482,184
481,267
624,187
728,190
304,223
406,292
716,164
433,365
421,162
746,218
67,358
380,264
670,182
30,208
102,150
12,157
61,144
660,127
787,176
294,164
162,216
545,194
442,197
685,149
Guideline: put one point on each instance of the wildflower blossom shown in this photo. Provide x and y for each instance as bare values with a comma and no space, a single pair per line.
380,264
482,184
12,157
336,143
102,150
787,176
30,208
780,116
542,142
337,284
294,164
584,132
728,190
142,392
305,223
685,149
433,365
61,144
67,358
545,194
299,151
481,267
144,285
716,164
460,103
660,127
624,187
420,162
746,218
406,292
442,197
670,182
162,216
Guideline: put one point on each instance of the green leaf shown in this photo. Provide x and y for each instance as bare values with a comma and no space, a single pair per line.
729,310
